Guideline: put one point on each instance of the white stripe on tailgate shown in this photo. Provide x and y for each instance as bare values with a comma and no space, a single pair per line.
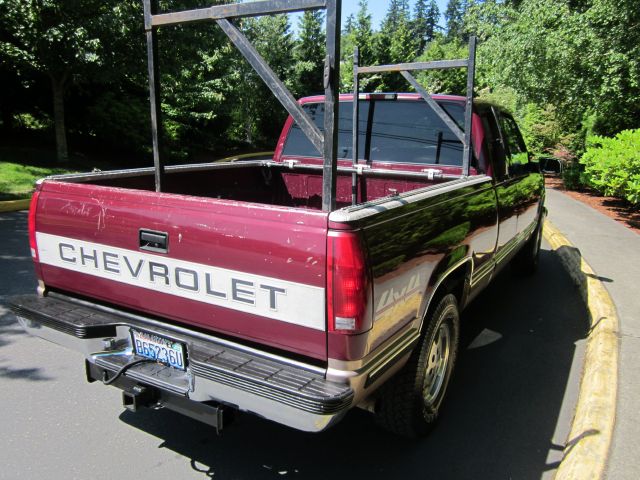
289,302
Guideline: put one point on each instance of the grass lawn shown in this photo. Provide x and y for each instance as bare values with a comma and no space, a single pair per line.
20,168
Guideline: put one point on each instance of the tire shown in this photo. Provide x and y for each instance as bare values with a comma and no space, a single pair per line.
410,402
526,261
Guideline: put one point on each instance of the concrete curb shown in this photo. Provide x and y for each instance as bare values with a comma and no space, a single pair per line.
14,205
587,449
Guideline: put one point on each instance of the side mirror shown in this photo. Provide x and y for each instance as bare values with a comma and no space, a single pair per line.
534,166
550,165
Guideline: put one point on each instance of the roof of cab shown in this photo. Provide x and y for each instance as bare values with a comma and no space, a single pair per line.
482,104
368,96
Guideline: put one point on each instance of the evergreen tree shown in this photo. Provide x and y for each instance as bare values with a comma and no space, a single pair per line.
396,41
425,22
363,34
349,24
393,40
433,18
259,115
309,53
398,12
274,41
454,18
419,23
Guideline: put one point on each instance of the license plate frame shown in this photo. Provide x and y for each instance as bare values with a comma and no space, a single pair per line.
157,347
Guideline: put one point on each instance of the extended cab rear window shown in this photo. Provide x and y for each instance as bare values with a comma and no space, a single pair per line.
402,131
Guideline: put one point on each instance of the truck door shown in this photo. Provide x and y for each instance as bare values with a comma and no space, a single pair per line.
506,185
528,182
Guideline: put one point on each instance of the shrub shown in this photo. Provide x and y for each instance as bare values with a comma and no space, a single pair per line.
573,176
541,129
612,165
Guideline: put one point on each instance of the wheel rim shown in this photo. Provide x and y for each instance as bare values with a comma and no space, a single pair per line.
437,364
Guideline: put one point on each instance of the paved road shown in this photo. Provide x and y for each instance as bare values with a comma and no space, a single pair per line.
614,253
508,414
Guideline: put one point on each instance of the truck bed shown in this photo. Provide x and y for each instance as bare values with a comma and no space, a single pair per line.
267,182
245,254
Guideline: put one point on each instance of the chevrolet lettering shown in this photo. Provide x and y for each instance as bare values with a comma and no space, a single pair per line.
265,296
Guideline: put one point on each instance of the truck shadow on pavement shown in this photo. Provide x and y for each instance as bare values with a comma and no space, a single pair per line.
16,267
16,276
508,413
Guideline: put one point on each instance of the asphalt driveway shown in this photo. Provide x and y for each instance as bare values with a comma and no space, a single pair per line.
508,414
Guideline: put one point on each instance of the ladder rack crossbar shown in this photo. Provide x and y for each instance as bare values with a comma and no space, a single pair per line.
404,69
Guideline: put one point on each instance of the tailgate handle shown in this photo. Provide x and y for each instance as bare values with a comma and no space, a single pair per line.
154,241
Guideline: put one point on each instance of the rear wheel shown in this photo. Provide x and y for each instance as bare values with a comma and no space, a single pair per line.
410,402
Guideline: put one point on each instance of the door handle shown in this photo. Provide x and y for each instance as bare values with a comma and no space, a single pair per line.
154,241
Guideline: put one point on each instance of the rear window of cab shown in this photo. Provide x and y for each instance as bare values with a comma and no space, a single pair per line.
399,131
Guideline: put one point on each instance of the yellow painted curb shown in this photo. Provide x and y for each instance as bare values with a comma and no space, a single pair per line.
14,205
587,449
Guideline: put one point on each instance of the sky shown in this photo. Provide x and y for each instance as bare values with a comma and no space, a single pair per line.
378,8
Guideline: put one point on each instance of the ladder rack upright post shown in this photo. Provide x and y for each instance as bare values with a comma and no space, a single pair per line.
150,9
354,130
331,105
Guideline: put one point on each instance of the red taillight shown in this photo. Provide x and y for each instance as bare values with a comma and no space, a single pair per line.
32,224
347,284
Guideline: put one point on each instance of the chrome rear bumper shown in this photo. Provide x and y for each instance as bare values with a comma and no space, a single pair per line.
273,387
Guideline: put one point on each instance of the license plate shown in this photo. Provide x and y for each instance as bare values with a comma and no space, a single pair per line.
159,348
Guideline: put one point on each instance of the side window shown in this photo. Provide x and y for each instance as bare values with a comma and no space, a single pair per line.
494,145
516,150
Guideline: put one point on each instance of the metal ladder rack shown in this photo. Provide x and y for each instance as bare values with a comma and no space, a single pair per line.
327,143
404,69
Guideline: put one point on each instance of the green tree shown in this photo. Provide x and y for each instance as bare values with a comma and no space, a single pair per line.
396,42
578,59
349,24
194,72
454,16
396,11
62,40
258,114
397,14
309,53
613,63
362,36
425,22
452,81
542,131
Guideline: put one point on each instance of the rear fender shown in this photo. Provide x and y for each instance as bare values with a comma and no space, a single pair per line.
449,277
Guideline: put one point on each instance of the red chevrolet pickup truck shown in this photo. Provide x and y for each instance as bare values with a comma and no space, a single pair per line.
233,290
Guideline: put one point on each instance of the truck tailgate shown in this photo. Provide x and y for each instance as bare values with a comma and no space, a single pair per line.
250,271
